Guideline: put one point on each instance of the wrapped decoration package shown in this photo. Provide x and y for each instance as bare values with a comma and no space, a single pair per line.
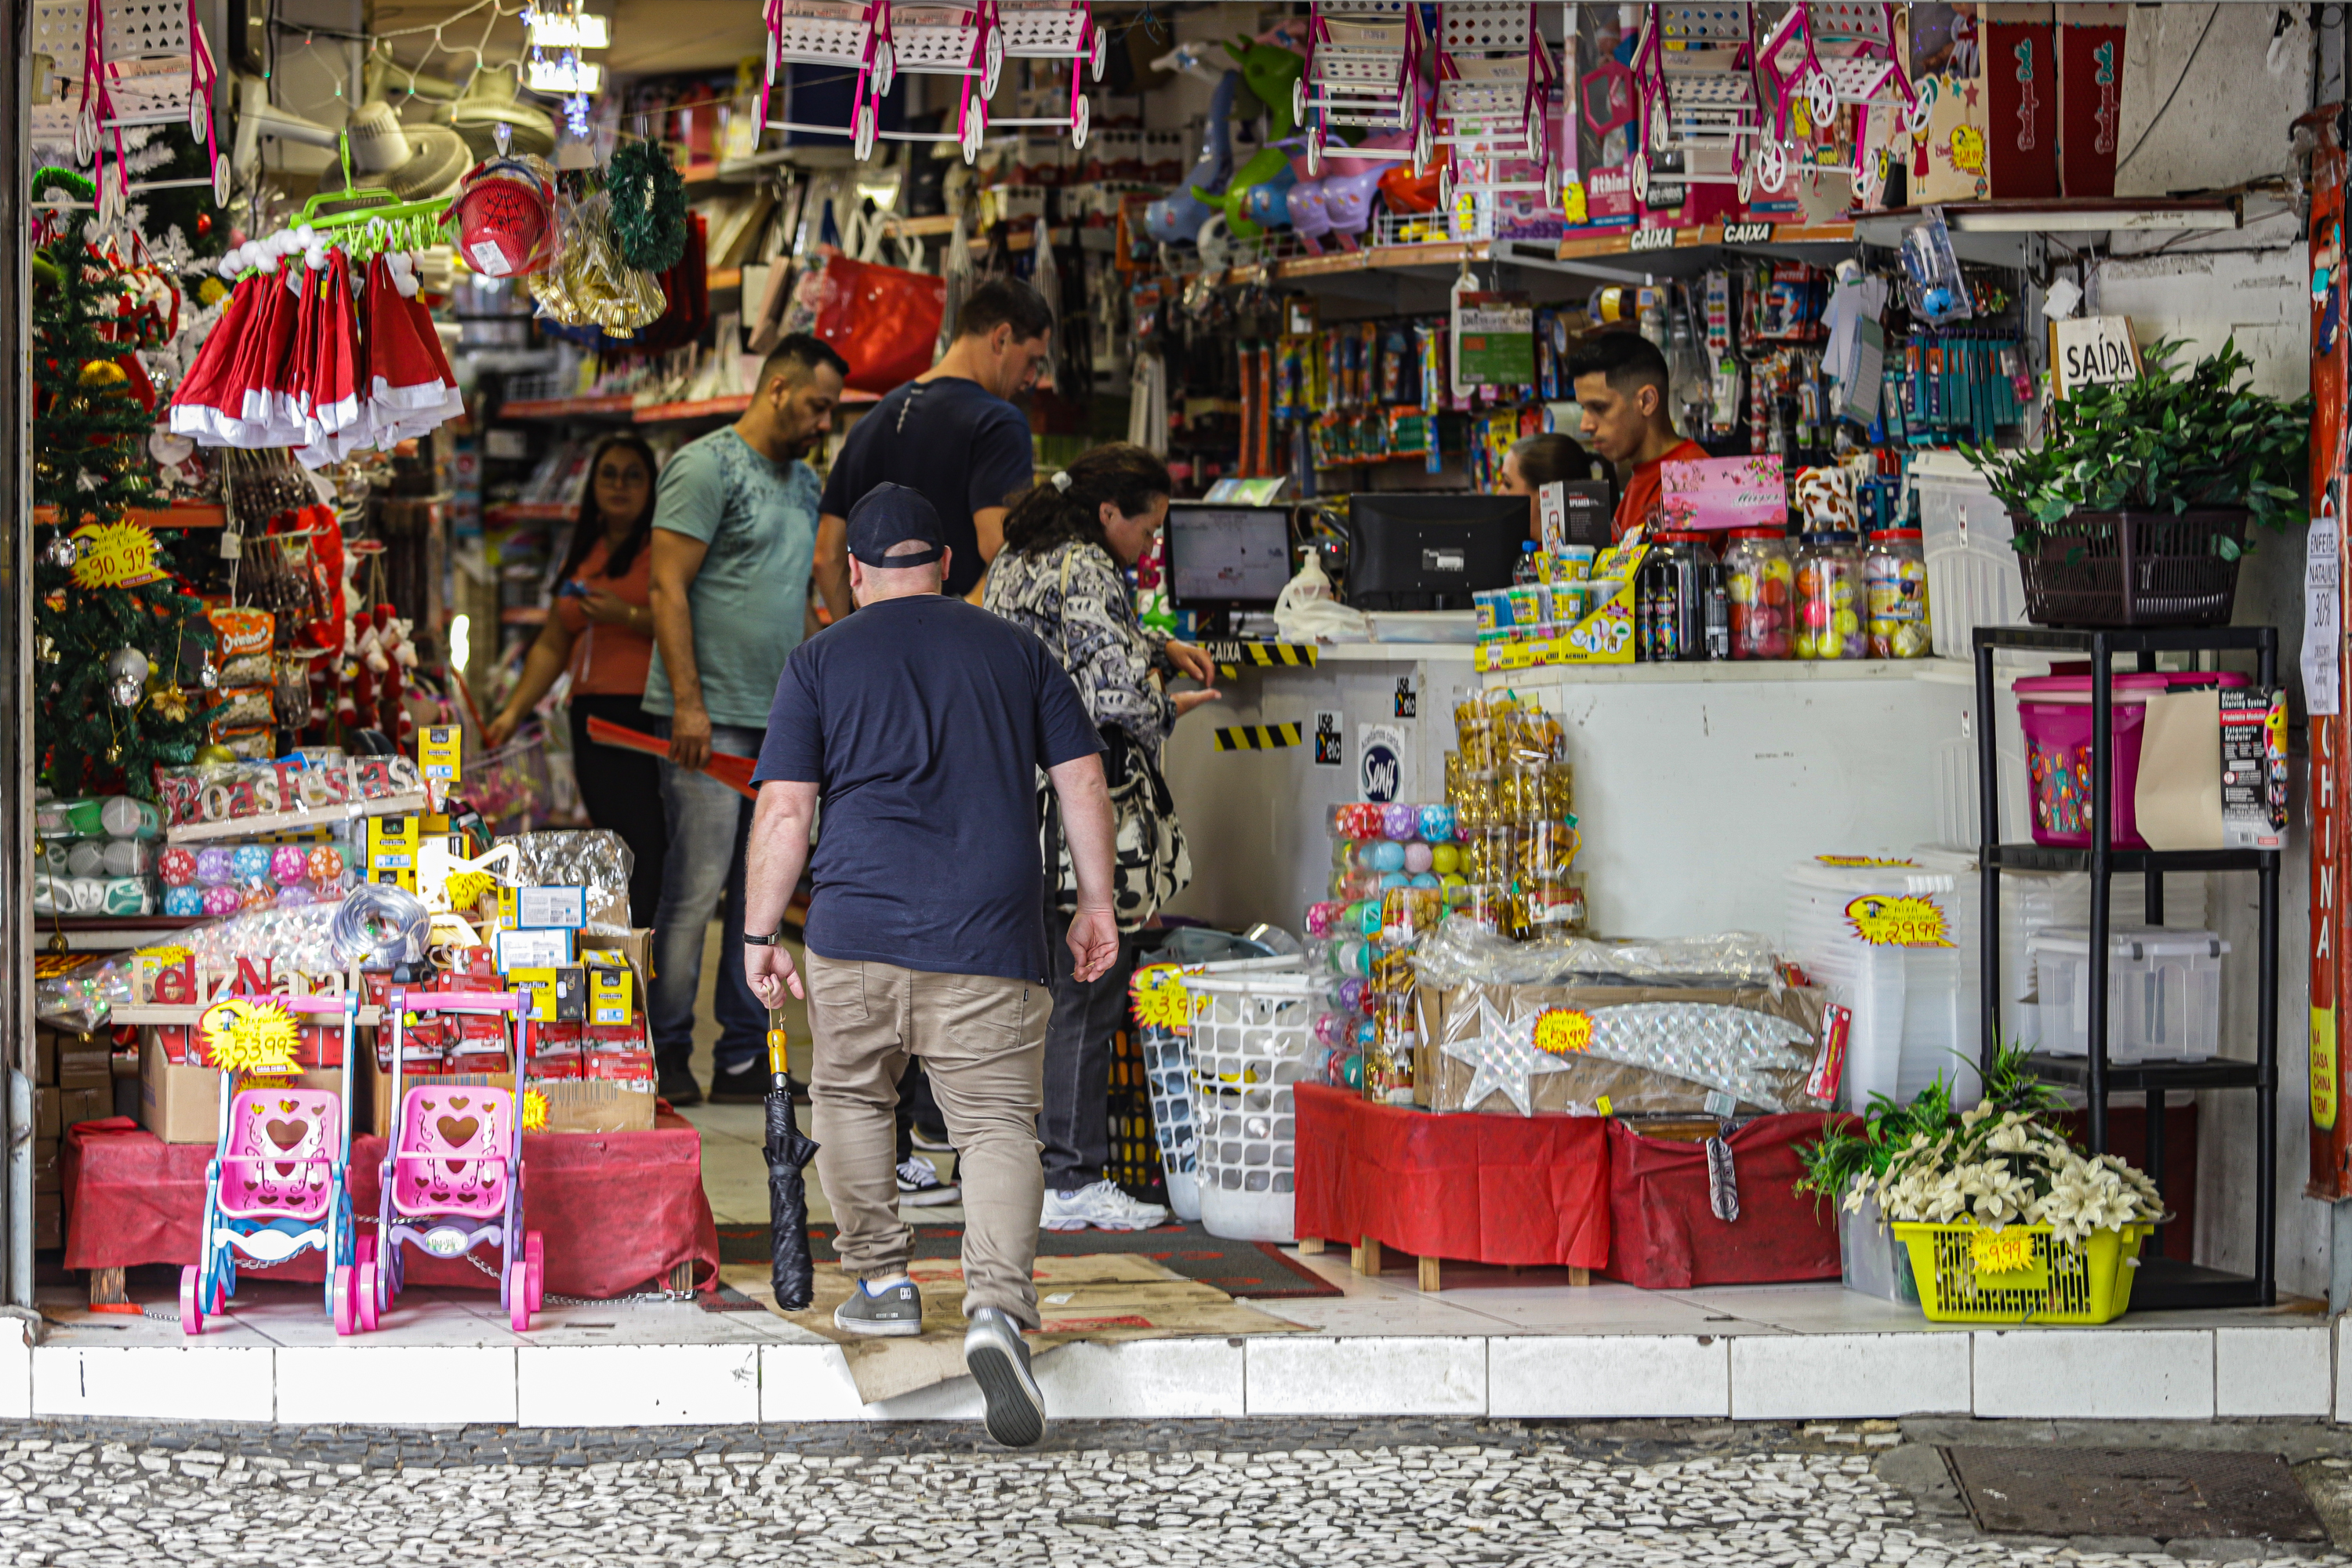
297,940
594,859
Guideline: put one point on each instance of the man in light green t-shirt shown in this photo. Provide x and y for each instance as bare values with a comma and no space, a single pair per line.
734,535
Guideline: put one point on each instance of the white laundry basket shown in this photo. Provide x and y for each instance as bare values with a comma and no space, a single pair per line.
1168,1078
1250,1031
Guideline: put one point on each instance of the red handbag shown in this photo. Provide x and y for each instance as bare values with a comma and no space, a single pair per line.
883,320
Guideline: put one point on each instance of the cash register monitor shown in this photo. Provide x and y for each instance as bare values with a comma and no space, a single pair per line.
1430,552
1227,557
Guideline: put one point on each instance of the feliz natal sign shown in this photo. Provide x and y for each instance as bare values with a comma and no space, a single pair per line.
1882,922
115,555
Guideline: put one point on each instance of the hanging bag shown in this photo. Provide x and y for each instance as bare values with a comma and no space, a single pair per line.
883,320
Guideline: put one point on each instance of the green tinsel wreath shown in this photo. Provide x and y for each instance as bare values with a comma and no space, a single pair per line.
649,206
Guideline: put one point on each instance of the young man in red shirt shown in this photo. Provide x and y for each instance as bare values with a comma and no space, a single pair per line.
1620,384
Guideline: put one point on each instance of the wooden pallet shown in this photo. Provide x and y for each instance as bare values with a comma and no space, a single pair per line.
1364,1258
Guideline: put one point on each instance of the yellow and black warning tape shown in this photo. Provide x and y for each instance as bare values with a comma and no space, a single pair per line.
1231,656
1258,737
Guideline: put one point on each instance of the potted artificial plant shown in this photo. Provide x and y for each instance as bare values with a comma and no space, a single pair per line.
2133,510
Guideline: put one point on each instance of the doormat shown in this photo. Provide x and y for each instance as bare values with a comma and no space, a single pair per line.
1103,1299
2167,1494
1258,1269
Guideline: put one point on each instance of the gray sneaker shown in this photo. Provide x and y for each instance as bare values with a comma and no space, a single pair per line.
998,1359
896,1314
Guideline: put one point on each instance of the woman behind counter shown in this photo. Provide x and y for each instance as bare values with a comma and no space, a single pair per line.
601,627
1062,575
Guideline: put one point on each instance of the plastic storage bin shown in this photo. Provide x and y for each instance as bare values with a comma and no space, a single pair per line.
1973,576
2087,1283
2164,993
2055,713
1250,1034
1915,1006
1870,1258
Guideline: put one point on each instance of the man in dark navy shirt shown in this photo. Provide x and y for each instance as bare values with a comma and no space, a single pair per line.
921,723
950,434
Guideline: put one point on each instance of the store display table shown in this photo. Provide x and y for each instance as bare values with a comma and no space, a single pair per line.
1527,1191
618,1209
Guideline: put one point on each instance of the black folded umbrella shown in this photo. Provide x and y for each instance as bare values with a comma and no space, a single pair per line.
789,1150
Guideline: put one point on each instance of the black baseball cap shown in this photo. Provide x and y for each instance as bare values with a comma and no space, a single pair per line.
891,515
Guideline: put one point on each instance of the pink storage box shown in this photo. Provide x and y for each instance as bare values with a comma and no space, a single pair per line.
2055,710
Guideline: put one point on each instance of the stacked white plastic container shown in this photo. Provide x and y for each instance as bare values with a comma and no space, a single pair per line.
2164,993
1973,579
1914,1007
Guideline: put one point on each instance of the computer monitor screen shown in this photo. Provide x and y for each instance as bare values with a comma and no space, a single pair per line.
1227,557
1430,552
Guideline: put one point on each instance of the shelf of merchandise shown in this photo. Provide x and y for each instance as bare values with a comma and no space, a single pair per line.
620,405
180,514
2161,1284
720,407
530,511
1640,241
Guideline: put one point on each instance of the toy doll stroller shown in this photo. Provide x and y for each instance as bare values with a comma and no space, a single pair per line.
276,1186
452,1174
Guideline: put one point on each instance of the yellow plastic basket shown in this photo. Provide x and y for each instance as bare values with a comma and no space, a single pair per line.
1973,1274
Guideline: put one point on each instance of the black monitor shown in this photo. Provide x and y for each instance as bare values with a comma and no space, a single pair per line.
1225,557
1430,552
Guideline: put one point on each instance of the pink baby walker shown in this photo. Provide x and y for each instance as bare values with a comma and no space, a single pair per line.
452,1177
276,1186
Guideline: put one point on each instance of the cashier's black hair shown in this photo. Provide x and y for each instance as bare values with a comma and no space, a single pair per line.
1551,458
1125,474
1628,360
591,527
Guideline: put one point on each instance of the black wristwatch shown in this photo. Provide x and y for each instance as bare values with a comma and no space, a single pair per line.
767,940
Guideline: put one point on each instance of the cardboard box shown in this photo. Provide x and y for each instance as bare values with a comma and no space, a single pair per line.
2090,44
1604,635
47,1176
76,1106
47,1119
556,906
544,947
48,1219
611,994
553,995
1948,162
45,1057
88,1065
1442,1083
180,1103
597,1105
637,947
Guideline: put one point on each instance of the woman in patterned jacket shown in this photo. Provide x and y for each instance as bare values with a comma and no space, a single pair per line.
1062,574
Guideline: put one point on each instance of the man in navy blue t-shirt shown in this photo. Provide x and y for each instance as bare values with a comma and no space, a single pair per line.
921,722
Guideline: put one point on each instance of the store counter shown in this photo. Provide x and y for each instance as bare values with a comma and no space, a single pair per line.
1697,785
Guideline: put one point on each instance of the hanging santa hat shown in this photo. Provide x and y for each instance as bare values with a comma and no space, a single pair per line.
506,218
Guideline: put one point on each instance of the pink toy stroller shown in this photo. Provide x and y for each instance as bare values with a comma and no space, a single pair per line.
853,35
277,1186
452,1177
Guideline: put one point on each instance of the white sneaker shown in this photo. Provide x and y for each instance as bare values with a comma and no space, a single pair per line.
920,1185
1102,1205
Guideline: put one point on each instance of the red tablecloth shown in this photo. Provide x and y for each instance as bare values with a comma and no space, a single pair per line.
1466,1187
618,1209
1665,1236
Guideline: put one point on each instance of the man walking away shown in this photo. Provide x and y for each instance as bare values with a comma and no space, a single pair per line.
921,721
950,434
734,533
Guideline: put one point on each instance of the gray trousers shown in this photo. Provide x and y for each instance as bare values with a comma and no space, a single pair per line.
1075,1126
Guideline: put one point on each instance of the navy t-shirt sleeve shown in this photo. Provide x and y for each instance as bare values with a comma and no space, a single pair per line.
1003,460
1065,732
842,488
793,751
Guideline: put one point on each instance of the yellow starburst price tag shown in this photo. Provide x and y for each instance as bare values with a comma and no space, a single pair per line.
1161,999
251,1039
2006,1251
534,1111
1563,1031
115,555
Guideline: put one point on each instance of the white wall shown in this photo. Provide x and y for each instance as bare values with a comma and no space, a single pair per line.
2228,122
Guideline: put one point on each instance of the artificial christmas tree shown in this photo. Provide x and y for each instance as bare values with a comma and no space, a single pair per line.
118,641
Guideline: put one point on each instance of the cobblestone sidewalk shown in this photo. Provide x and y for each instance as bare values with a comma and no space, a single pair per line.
1264,1494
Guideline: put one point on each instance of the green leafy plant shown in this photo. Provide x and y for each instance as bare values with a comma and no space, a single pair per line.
2162,442
1887,1126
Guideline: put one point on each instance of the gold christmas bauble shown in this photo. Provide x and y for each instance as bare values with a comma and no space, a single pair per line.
103,372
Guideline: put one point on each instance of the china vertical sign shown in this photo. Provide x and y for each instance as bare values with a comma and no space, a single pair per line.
2331,747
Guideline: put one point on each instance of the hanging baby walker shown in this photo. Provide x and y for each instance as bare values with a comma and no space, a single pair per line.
1494,77
964,41
141,62
276,1186
451,1175
1695,86
1363,65
1056,30
850,35
1838,54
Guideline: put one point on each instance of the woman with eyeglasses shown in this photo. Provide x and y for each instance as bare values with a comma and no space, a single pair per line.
602,630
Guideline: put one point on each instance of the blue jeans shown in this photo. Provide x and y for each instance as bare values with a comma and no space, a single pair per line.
708,826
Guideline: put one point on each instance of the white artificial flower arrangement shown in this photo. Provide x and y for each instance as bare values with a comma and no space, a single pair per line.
1999,1168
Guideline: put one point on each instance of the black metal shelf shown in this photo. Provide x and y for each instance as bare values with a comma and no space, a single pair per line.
2161,1283
2129,862
2133,1077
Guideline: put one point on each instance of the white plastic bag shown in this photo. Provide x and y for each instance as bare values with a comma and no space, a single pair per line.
1307,612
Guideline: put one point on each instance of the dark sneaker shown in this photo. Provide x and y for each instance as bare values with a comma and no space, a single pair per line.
919,1185
744,1084
998,1359
896,1314
677,1086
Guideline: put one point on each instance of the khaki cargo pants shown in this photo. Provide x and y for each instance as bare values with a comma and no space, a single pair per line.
982,1041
